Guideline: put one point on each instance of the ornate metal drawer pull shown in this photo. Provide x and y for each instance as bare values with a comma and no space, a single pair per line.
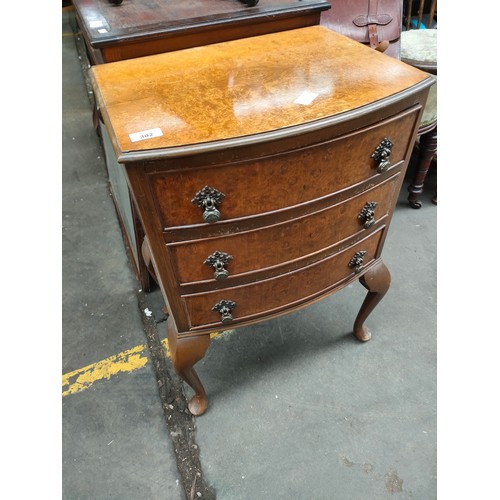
367,214
382,154
208,199
357,261
224,307
218,260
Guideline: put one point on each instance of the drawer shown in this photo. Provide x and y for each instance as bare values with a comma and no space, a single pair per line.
271,183
276,294
263,248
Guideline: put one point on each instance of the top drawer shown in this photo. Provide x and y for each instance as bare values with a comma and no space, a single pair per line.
283,180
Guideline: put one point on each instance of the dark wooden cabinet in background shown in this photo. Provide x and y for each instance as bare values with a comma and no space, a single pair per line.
140,28
264,172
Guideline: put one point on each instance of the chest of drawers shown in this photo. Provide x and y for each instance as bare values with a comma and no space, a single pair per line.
265,172
132,29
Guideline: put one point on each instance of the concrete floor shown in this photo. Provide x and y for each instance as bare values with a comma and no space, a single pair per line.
298,408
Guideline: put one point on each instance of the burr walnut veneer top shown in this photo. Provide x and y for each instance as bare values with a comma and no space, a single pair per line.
243,87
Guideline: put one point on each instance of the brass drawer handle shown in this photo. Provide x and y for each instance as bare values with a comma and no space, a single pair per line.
208,198
357,261
218,260
224,307
367,214
382,155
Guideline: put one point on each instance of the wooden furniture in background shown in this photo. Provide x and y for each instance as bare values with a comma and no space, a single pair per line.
265,172
133,29
141,28
419,49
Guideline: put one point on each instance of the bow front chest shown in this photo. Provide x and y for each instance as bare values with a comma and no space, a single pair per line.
264,171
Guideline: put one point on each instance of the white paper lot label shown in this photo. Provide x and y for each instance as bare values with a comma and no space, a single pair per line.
306,98
145,134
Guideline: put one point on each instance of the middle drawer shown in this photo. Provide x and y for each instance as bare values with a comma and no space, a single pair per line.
263,248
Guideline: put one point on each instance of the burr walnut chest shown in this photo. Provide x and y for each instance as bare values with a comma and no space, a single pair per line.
119,30
264,171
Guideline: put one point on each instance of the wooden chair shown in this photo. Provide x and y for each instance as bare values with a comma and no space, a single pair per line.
419,49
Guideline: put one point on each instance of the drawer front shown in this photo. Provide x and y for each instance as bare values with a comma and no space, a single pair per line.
276,294
266,247
276,182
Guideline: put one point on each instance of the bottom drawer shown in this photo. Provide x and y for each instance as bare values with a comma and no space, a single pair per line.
273,295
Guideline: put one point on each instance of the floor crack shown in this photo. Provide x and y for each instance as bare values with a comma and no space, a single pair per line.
180,423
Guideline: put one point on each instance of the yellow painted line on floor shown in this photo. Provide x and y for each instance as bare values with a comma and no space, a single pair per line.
125,362
85,377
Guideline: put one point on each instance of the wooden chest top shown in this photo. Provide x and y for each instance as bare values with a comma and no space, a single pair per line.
244,87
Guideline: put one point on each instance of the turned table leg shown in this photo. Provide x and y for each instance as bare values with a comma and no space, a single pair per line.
144,265
376,280
185,352
428,148
147,269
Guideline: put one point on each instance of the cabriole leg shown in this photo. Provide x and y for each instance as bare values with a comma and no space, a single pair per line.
377,281
185,352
